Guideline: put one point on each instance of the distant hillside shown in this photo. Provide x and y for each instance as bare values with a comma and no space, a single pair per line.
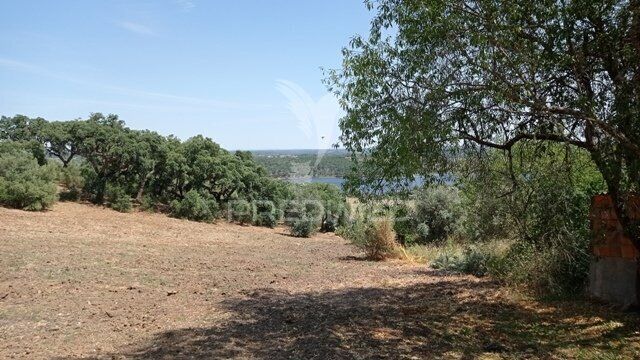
296,152
304,162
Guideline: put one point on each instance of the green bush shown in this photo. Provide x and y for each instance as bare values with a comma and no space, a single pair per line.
148,203
118,199
437,212
330,223
266,214
404,224
323,202
304,217
376,237
194,207
304,227
556,271
72,181
241,212
23,183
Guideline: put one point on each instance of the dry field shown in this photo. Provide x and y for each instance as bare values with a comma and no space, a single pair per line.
85,282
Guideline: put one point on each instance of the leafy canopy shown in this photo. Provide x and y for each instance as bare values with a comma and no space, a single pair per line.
436,76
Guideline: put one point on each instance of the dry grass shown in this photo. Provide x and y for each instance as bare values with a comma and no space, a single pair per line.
380,240
86,282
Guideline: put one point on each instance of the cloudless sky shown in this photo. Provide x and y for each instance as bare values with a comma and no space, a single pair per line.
182,67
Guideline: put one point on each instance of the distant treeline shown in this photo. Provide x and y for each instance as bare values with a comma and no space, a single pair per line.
294,165
103,161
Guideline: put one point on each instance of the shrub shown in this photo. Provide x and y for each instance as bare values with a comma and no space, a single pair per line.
556,271
404,224
547,213
118,199
241,212
194,207
266,214
148,203
375,237
23,183
324,202
380,240
304,227
304,217
438,213
72,181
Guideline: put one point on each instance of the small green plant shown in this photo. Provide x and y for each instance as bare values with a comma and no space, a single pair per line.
473,260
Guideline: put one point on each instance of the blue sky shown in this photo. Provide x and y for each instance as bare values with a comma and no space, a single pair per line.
245,73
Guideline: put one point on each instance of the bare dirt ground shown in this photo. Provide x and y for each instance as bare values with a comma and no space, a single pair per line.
85,282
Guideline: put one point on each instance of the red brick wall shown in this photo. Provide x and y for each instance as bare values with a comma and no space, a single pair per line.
608,240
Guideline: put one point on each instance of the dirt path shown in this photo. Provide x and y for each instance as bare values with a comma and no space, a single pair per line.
86,282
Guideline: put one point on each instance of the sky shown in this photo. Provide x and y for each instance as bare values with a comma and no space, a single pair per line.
247,74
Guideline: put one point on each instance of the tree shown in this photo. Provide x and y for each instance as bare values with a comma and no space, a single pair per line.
20,128
109,148
25,131
60,140
438,75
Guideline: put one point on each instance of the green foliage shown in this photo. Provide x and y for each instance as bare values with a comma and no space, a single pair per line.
311,210
265,214
474,260
315,207
72,181
118,199
20,128
241,211
148,203
544,203
23,183
405,224
305,165
194,207
324,203
437,213
143,164
61,139
436,78
304,227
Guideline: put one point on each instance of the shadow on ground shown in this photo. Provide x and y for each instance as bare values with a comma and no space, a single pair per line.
453,318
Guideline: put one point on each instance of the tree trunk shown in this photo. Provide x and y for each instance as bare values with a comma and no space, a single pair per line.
142,186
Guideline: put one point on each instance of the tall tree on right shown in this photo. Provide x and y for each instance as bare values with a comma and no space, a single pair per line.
437,75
